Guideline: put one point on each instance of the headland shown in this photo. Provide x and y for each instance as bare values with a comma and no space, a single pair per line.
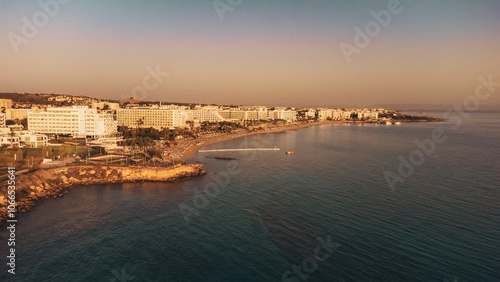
52,183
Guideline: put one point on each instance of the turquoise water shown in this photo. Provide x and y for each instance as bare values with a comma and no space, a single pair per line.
441,223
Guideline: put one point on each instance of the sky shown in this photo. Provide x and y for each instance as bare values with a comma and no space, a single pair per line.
252,52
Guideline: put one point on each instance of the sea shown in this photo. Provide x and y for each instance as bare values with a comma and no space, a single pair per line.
355,202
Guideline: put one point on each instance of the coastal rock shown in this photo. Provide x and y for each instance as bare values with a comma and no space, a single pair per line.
64,178
45,183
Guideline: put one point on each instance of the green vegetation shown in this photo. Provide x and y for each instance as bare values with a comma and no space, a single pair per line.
144,137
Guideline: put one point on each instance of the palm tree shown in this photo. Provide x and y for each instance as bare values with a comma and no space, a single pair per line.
140,122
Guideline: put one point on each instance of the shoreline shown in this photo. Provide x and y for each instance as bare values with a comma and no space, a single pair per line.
53,183
41,184
192,150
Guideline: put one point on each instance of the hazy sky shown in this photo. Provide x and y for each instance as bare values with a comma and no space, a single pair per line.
267,52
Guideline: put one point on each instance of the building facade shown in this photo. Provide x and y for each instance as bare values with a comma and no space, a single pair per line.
32,140
202,115
287,115
2,120
13,114
78,121
240,115
9,141
5,103
145,117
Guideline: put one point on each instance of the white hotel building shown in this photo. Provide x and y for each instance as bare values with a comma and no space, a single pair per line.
78,121
239,115
146,117
202,115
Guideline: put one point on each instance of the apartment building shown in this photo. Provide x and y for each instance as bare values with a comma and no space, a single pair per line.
2,120
13,114
32,140
288,115
5,103
9,141
78,121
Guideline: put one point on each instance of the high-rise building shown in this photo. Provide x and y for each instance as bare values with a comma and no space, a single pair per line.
78,121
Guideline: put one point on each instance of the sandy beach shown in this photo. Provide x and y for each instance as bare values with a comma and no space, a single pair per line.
191,147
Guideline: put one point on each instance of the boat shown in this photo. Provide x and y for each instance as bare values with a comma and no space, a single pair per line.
290,152
397,122
388,123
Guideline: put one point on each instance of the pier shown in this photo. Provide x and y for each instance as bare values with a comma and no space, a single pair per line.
236,150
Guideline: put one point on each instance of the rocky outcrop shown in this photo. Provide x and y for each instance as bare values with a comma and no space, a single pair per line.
53,183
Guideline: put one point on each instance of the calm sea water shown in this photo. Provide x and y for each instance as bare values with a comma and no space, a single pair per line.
442,223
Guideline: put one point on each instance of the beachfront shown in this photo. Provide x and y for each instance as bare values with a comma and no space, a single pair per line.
188,148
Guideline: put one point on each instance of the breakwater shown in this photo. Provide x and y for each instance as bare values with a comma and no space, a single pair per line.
52,183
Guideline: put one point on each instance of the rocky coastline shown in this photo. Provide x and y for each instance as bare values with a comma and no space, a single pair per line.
52,183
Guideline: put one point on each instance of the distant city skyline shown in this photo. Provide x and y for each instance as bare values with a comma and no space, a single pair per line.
280,53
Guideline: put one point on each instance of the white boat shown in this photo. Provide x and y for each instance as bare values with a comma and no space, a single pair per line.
398,123
388,123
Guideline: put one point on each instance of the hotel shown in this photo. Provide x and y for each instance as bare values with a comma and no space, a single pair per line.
157,118
202,115
78,121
